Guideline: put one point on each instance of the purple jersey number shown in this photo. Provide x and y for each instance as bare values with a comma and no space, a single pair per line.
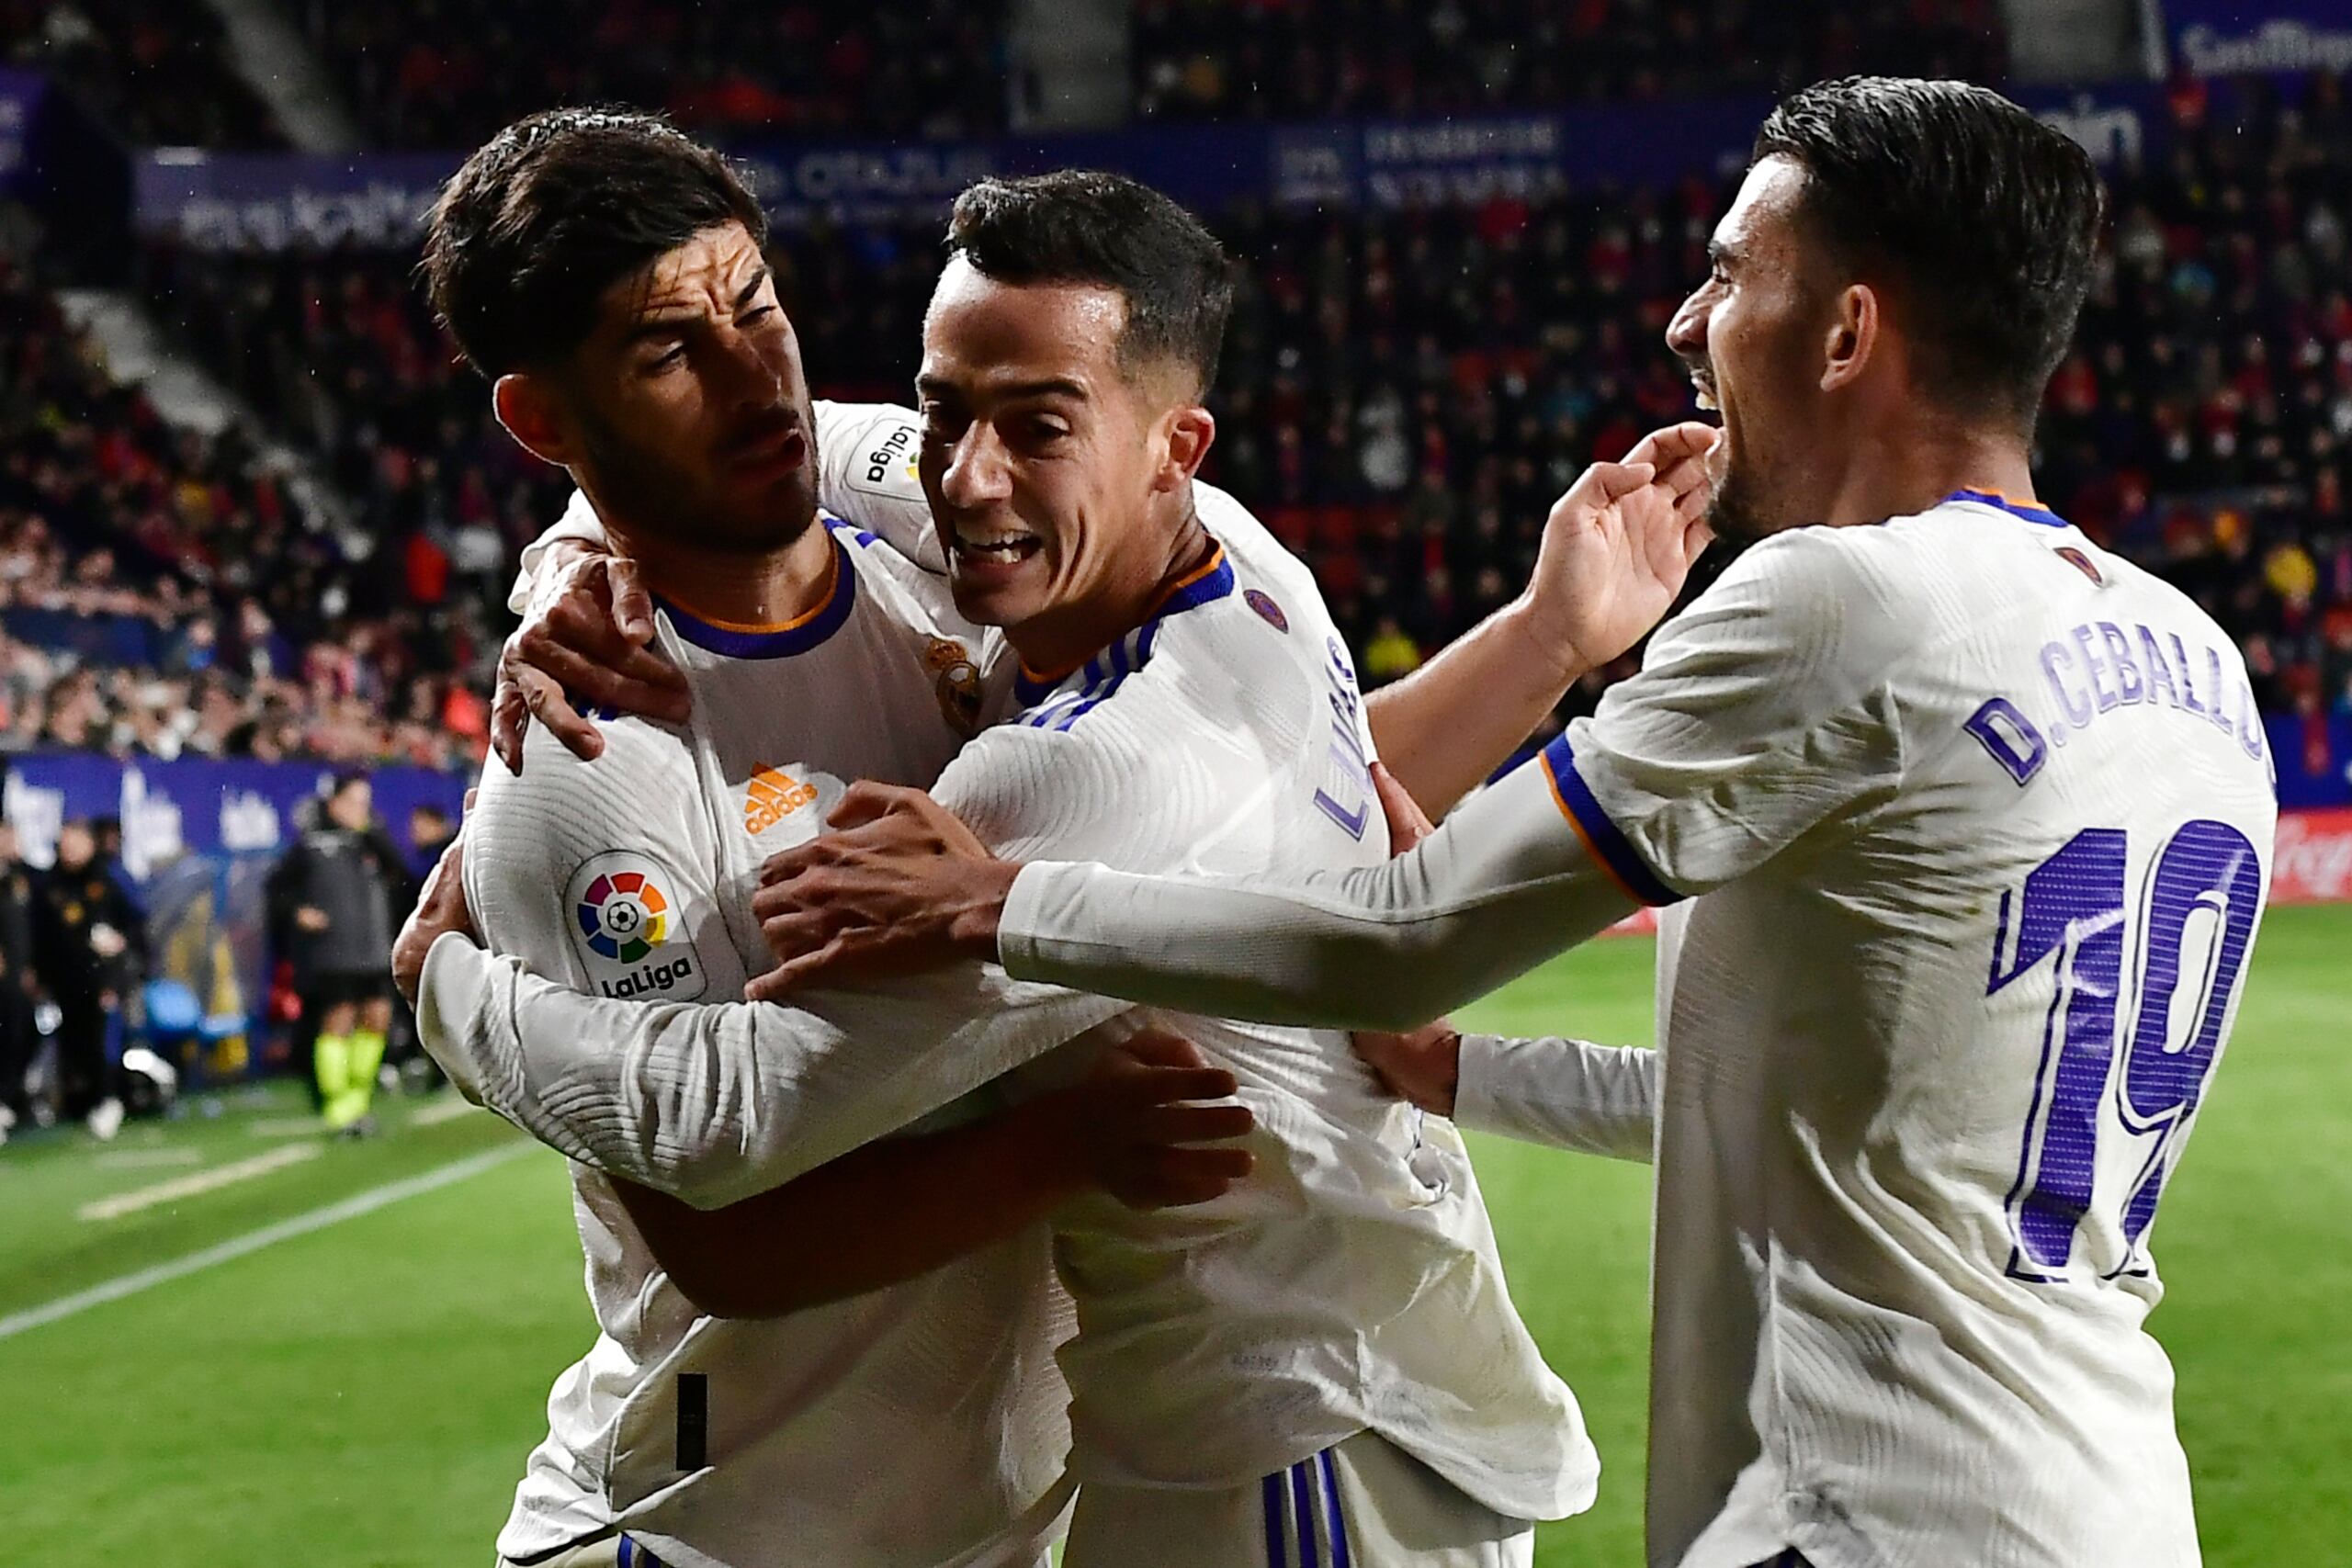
2073,906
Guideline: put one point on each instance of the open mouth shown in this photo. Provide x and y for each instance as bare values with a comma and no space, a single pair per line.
1705,386
778,452
996,548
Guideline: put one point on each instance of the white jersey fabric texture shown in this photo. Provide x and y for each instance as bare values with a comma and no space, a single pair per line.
921,1425
1966,826
1351,1285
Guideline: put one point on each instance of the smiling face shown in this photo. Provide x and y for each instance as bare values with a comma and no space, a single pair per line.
1053,469
686,412
1754,337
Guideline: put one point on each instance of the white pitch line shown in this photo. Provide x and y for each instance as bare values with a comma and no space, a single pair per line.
201,1182
268,1236
447,1109
145,1159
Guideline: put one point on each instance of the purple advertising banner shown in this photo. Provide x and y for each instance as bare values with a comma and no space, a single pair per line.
2240,38
21,93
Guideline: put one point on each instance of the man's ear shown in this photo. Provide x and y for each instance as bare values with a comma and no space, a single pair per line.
1852,339
525,406
1192,430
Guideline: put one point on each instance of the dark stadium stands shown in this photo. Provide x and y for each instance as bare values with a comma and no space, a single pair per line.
156,71
449,72
1312,59
165,593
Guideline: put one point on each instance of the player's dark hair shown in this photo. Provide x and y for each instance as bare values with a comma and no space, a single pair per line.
1081,226
1983,220
555,209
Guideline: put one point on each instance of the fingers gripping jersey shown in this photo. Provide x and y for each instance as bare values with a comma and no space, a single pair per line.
1353,1282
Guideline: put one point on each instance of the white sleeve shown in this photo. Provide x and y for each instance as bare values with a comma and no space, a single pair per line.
579,521
1599,1100
713,1102
867,475
1761,716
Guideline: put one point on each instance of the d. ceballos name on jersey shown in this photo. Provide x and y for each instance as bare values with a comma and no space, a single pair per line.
651,980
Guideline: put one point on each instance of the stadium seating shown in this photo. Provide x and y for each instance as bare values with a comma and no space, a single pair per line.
447,74
1311,58
156,71
161,592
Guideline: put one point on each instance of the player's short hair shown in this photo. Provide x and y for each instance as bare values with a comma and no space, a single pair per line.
1986,221
555,209
1083,225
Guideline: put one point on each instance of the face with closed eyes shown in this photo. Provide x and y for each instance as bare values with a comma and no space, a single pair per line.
1059,474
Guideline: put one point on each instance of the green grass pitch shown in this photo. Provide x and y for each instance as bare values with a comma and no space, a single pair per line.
363,1394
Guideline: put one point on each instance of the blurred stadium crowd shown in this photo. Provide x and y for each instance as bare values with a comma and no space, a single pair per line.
1403,392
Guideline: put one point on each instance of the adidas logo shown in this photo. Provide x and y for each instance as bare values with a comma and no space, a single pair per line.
772,796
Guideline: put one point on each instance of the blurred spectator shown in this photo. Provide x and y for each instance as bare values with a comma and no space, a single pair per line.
19,984
334,901
89,948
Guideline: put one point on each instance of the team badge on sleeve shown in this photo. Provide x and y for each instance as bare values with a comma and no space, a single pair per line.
629,929
1268,611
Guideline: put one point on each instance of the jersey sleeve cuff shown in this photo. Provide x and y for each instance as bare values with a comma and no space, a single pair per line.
458,1003
1020,940
1602,839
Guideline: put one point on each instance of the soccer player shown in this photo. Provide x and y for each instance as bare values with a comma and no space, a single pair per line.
1327,1362
604,272
1963,828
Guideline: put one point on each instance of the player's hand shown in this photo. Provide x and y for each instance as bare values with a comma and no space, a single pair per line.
1135,1126
900,886
310,919
589,630
440,907
1407,823
1618,545
1422,1066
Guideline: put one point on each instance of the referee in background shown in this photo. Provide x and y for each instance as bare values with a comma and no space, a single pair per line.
332,909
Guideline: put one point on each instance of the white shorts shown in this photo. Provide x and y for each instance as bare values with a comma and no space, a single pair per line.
1364,1503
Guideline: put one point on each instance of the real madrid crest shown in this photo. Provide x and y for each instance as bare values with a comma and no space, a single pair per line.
957,684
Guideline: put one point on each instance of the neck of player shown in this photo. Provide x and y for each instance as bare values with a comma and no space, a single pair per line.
1059,639
1901,467
740,588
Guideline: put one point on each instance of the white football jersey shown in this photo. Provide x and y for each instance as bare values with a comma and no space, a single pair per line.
1977,819
823,1437
1352,1282
1966,824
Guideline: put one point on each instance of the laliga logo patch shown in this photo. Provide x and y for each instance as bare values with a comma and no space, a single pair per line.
1268,611
627,930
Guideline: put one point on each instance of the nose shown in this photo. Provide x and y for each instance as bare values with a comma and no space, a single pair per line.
978,471
1686,333
743,373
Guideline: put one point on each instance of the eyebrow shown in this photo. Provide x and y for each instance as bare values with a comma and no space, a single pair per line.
1049,387
655,326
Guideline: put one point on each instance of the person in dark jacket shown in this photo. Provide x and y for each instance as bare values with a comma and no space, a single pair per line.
334,902
20,982
89,945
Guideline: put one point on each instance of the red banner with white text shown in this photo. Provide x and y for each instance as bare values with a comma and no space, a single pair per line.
2312,863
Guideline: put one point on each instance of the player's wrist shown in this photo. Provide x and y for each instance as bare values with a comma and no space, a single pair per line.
973,930
1541,628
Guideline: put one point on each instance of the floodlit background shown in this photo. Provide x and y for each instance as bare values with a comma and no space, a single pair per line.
255,525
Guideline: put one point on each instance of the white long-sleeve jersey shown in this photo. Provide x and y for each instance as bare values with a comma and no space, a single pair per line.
1351,1284
1966,824
918,1427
